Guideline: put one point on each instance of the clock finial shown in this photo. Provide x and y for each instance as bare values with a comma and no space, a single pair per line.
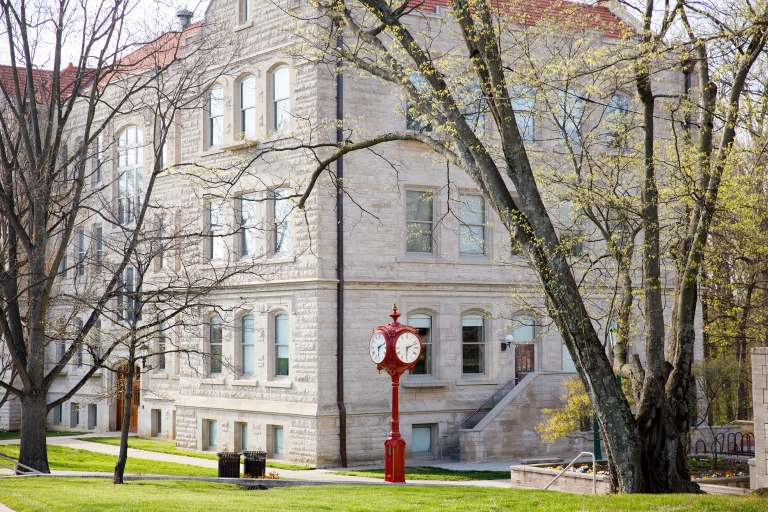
394,315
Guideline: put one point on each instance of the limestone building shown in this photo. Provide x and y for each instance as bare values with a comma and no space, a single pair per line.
435,249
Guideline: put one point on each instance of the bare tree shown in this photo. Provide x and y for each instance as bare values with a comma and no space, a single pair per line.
57,141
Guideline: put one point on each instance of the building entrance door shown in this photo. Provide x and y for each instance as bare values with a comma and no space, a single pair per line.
523,360
133,425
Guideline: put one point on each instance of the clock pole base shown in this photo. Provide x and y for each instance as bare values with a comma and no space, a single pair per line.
394,459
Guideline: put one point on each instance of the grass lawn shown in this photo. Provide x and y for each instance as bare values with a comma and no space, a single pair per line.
69,459
432,473
154,445
59,494
15,434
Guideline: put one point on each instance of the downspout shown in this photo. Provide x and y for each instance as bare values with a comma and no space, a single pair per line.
340,260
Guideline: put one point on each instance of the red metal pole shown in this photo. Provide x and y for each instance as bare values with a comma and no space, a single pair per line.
395,423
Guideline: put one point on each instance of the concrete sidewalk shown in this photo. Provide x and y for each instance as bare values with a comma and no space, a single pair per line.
311,475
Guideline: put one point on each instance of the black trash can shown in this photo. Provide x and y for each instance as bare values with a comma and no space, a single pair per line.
254,464
229,464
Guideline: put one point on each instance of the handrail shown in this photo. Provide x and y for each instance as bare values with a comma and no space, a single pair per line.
443,436
16,465
594,471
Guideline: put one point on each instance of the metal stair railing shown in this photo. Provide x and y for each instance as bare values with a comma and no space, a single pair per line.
15,465
594,471
465,420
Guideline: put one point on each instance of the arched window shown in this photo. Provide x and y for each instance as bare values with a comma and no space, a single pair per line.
281,345
215,116
524,328
472,344
246,344
248,105
281,98
423,323
616,118
215,327
130,174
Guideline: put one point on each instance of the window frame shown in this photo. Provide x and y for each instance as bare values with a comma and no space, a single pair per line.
98,242
411,222
215,346
412,123
98,160
280,98
130,174
162,340
215,119
278,343
523,101
463,224
247,113
248,225
128,291
281,228
427,348
481,344
249,346
617,115
80,252
571,131
216,230
77,361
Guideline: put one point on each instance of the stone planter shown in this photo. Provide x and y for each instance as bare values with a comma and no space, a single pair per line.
538,475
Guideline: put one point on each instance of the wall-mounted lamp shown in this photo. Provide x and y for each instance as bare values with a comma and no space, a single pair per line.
508,341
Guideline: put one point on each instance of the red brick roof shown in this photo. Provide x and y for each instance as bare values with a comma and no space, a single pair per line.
592,16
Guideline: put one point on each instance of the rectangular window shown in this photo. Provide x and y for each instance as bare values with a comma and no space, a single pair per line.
96,341
473,344
161,344
571,106
216,116
421,439
571,233
99,243
616,121
568,365
414,119
92,416
161,134
98,159
281,98
241,431
63,268
79,356
419,221
127,295
281,345
246,10
282,229
247,332
248,228
248,105
211,424
522,100
61,348
277,441
423,323
80,242
74,414
58,414
157,420
472,228
217,249
161,241
215,339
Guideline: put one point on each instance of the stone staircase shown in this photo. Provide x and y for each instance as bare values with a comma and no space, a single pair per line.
449,447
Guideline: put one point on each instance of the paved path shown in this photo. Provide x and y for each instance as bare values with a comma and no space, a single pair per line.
313,475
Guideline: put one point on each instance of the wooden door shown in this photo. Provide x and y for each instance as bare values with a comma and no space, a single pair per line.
523,360
120,399
135,401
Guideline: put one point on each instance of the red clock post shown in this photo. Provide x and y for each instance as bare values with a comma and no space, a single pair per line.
395,348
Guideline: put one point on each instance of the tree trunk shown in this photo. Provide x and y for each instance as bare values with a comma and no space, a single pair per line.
34,421
122,457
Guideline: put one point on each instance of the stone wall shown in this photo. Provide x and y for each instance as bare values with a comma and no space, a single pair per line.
508,432
10,415
759,475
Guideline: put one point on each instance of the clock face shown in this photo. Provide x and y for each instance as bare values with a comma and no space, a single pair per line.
378,347
408,348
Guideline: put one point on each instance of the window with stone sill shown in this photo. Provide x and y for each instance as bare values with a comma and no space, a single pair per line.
130,174
281,98
423,323
217,246
281,231
248,106
215,338
248,225
282,352
419,221
247,353
215,115
472,224
472,344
